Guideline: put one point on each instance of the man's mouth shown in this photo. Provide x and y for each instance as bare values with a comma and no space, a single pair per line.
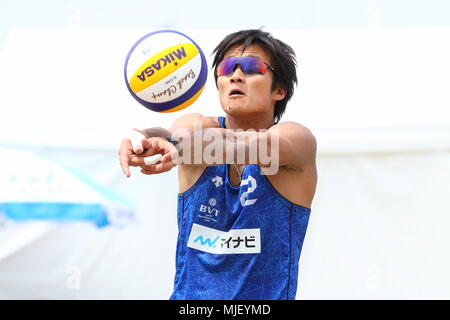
236,92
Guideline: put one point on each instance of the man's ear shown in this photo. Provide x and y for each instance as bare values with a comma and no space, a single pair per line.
279,94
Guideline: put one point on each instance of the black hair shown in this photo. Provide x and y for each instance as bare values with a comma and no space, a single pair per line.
282,58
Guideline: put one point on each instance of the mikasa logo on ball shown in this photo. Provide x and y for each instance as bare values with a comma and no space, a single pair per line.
162,65
148,72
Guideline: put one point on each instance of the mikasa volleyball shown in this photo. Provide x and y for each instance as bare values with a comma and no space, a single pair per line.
165,71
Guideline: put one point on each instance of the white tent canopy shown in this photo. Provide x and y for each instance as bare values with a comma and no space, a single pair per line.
66,86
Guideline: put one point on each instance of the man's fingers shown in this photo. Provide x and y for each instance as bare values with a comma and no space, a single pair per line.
165,166
151,169
157,168
146,144
136,161
166,158
124,156
147,158
137,146
136,141
125,170
152,159
169,156
150,154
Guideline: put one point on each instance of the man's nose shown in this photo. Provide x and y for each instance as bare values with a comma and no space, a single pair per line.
238,74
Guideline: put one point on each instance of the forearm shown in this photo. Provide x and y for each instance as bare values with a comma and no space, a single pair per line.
214,146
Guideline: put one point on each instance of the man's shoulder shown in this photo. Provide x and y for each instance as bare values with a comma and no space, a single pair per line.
295,128
297,144
290,124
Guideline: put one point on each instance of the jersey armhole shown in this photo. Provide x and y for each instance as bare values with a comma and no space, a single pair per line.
199,181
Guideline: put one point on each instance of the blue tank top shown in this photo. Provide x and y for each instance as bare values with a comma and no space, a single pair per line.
237,242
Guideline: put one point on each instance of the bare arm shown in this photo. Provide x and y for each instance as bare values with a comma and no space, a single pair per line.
203,142
284,144
149,144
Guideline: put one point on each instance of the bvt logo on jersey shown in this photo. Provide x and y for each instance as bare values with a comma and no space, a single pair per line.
208,213
235,241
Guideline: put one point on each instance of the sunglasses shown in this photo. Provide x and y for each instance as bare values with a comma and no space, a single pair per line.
248,64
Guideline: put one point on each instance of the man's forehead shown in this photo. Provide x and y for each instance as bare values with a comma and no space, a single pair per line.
252,50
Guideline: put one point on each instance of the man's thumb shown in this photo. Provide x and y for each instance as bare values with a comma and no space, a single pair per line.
136,139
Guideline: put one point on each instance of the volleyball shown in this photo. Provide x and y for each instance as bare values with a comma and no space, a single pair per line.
165,71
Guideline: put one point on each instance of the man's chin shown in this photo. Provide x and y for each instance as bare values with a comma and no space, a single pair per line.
236,109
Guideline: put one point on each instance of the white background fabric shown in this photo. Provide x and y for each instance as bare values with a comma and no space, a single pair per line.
377,101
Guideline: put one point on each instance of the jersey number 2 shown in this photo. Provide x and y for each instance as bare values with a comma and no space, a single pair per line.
244,201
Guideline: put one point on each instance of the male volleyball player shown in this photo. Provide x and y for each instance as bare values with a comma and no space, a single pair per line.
241,225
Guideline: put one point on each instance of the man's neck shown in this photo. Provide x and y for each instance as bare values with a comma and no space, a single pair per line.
248,123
